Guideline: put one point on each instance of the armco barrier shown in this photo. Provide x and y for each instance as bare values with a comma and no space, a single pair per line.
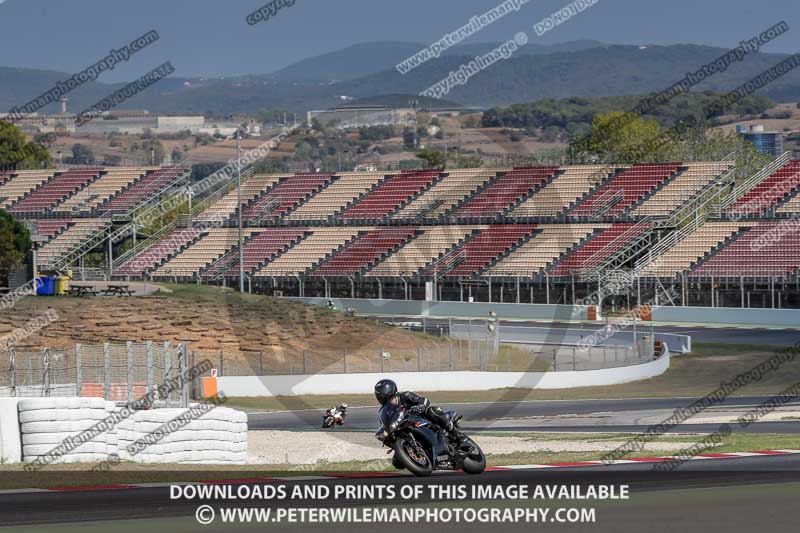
454,309
728,315
438,381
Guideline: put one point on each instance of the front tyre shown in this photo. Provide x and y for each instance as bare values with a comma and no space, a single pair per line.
397,464
475,461
412,456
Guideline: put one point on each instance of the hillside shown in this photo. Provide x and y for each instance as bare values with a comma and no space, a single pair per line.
212,319
527,76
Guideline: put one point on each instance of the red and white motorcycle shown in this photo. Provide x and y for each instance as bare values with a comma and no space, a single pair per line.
334,416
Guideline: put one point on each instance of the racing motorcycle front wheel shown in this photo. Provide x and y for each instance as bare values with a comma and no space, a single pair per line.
475,461
412,455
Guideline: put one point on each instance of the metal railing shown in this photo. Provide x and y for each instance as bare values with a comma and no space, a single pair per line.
755,179
116,372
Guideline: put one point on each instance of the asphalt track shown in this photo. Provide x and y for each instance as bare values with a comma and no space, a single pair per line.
723,494
491,416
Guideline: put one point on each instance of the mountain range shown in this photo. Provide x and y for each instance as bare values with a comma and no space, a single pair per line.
367,71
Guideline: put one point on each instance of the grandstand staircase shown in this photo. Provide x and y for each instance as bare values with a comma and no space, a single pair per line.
689,217
508,251
391,252
338,214
429,207
335,251
609,200
785,200
264,211
623,249
710,254
509,208
360,197
655,190
745,187
569,251
143,210
51,237
119,262
450,258
182,180
601,178
123,189
298,205
472,194
263,217
414,196
532,191
230,260
683,221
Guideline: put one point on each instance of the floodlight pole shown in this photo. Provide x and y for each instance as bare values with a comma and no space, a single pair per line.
239,203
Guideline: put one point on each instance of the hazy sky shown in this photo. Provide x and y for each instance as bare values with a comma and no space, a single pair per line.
211,37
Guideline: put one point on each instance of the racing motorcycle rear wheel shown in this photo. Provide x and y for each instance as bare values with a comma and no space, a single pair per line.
412,455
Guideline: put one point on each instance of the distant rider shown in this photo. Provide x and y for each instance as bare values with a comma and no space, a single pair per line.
386,391
338,413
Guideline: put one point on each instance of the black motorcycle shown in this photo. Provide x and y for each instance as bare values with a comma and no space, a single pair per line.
422,447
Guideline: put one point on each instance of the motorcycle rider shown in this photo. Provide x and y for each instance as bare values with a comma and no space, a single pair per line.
386,391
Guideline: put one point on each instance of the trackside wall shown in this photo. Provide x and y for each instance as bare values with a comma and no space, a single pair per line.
438,381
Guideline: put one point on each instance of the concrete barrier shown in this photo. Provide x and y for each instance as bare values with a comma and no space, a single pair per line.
728,315
10,438
302,385
453,309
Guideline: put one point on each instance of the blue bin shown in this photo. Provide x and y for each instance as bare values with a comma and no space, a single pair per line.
46,286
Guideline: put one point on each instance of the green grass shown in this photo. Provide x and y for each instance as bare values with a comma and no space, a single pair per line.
715,348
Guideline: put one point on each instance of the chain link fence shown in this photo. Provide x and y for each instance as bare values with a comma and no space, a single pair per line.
476,354
116,372
130,371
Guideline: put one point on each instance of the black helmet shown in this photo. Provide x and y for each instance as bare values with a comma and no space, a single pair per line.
384,390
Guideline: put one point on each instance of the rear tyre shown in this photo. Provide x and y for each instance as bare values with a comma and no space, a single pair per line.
413,457
475,462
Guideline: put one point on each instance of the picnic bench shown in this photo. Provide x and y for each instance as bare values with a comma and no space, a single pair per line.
118,290
81,290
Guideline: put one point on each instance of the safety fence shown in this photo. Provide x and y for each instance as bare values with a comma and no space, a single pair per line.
130,371
484,354
115,372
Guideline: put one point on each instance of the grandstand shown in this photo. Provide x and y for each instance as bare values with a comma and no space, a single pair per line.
625,189
17,184
49,193
483,226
